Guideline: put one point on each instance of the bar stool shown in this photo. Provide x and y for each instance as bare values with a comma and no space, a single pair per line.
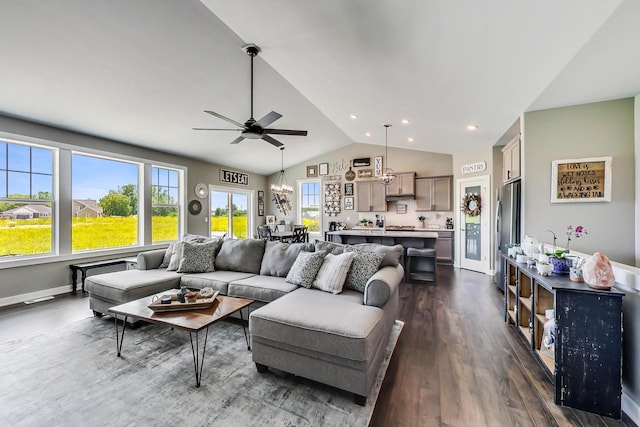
421,264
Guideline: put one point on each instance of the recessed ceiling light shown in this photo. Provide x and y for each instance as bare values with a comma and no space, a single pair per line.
472,127
367,133
410,139
353,116
405,121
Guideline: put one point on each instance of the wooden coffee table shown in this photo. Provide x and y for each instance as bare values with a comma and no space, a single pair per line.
192,321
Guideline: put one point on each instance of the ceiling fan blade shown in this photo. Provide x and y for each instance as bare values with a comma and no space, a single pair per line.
272,141
237,140
268,119
286,132
220,116
234,130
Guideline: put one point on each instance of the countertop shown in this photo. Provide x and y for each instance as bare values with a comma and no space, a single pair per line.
388,233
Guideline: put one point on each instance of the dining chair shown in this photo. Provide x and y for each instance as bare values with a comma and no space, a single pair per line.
264,232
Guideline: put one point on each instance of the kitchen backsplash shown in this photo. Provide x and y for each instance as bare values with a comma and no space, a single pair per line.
410,218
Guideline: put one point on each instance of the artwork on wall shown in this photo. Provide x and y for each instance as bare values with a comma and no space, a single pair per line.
271,220
401,208
581,180
312,171
348,189
377,166
348,203
323,169
260,203
332,198
365,173
365,161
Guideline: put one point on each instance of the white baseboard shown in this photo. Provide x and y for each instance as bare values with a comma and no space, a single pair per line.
17,299
631,408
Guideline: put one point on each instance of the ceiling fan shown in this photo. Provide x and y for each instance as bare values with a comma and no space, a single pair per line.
252,129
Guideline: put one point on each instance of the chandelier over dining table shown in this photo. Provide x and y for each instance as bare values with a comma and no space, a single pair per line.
281,190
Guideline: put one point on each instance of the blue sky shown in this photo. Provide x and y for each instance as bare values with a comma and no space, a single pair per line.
93,177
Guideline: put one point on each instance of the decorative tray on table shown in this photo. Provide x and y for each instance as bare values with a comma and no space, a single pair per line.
197,303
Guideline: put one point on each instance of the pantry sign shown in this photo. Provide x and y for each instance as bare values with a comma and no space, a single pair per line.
581,180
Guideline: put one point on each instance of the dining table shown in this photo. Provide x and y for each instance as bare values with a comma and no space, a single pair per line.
281,235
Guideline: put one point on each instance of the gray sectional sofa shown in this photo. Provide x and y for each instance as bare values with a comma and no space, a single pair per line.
337,339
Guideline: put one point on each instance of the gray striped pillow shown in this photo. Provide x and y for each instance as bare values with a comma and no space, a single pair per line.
333,272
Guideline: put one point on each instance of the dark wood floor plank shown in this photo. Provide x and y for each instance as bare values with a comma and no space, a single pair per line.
456,362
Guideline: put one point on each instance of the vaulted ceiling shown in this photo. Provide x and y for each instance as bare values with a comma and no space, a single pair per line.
142,72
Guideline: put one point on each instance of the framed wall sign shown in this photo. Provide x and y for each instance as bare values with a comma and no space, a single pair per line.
365,173
377,166
312,171
348,189
401,208
323,169
348,203
365,161
233,177
581,180
260,203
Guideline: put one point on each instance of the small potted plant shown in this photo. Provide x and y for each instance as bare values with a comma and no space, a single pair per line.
421,218
560,259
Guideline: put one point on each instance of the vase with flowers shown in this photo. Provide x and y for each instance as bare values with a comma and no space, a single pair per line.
560,259
421,219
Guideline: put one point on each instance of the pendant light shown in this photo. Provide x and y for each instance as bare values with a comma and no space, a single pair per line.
388,175
282,186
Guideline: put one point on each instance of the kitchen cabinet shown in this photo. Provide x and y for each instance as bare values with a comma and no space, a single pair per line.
444,247
434,194
370,196
511,161
402,185
585,361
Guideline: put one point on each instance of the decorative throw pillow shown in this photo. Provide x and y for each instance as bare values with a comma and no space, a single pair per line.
392,254
198,257
364,265
333,272
167,255
176,257
305,268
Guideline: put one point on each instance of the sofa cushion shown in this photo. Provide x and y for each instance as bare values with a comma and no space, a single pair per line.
167,255
279,257
198,257
322,322
329,247
365,264
240,255
176,256
392,254
218,280
333,272
260,288
305,268
123,286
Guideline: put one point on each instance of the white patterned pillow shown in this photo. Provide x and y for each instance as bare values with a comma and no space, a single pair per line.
176,256
167,255
305,268
333,272
198,257
364,265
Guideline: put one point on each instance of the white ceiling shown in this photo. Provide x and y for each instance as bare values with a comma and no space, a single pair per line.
142,72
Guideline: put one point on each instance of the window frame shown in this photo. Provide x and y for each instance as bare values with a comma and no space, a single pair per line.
299,198
250,207
180,202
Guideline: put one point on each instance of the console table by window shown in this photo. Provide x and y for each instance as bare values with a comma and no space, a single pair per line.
130,263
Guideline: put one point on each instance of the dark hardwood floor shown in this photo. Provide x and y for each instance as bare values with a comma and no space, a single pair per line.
456,363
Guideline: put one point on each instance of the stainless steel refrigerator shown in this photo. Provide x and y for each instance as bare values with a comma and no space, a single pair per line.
508,217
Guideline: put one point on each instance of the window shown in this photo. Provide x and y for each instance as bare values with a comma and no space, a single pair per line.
230,213
165,204
26,199
309,205
105,196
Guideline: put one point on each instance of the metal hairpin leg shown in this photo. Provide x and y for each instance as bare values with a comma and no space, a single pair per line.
244,329
198,361
119,337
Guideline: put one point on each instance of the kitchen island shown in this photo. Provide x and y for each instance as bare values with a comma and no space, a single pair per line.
440,239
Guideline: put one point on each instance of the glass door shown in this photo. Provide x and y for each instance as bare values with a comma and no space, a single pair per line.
230,213
473,244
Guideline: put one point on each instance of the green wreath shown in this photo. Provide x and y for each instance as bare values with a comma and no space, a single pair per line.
471,204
